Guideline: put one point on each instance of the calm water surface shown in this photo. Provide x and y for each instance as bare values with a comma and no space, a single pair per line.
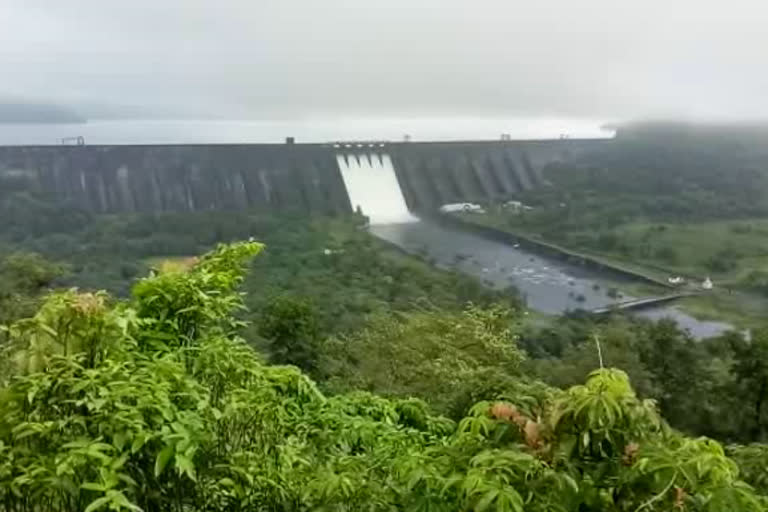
304,130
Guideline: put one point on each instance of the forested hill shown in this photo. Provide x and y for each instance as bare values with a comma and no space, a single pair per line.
668,172
695,162
673,133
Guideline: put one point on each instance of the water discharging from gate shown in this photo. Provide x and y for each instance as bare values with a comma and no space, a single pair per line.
373,187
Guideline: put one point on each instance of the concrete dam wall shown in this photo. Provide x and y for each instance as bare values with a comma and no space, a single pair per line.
296,177
181,178
437,173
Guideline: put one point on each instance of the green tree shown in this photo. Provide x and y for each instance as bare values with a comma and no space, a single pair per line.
448,359
750,372
618,346
675,362
291,328
23,277
28,272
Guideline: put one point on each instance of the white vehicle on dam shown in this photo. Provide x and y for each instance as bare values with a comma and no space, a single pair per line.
462,207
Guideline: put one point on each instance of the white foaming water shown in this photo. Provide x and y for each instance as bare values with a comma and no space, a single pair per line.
373,187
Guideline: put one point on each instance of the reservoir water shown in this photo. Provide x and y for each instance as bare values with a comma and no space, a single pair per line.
547,284
304,130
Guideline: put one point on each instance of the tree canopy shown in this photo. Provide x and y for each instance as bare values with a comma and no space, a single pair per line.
155,403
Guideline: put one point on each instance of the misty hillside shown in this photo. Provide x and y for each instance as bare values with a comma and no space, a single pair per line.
37,113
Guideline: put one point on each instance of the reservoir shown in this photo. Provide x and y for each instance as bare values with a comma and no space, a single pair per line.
304,130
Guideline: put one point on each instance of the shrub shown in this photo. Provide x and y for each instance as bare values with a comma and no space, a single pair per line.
155,404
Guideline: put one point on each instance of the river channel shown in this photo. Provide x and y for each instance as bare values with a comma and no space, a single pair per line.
548,285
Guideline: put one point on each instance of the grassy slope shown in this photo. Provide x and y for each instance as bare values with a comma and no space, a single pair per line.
746,312
744,241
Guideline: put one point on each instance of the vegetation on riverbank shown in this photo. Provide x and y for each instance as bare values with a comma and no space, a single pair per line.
739,294
740,311
728,251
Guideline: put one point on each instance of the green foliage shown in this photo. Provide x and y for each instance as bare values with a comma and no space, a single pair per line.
598,420
750,370
28,272
696,384
757,281
154,405
290,326
342,270
572,363
23,276
447,359
67,323
753,464
691,474
347,274
27,212
182,303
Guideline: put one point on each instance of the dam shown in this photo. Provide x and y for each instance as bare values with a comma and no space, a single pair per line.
308,178
390,182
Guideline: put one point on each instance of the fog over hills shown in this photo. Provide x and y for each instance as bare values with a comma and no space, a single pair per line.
24,112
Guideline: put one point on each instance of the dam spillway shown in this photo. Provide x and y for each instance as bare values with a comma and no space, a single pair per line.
304,178
372,186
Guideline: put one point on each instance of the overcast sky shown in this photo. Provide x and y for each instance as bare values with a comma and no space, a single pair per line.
284,58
